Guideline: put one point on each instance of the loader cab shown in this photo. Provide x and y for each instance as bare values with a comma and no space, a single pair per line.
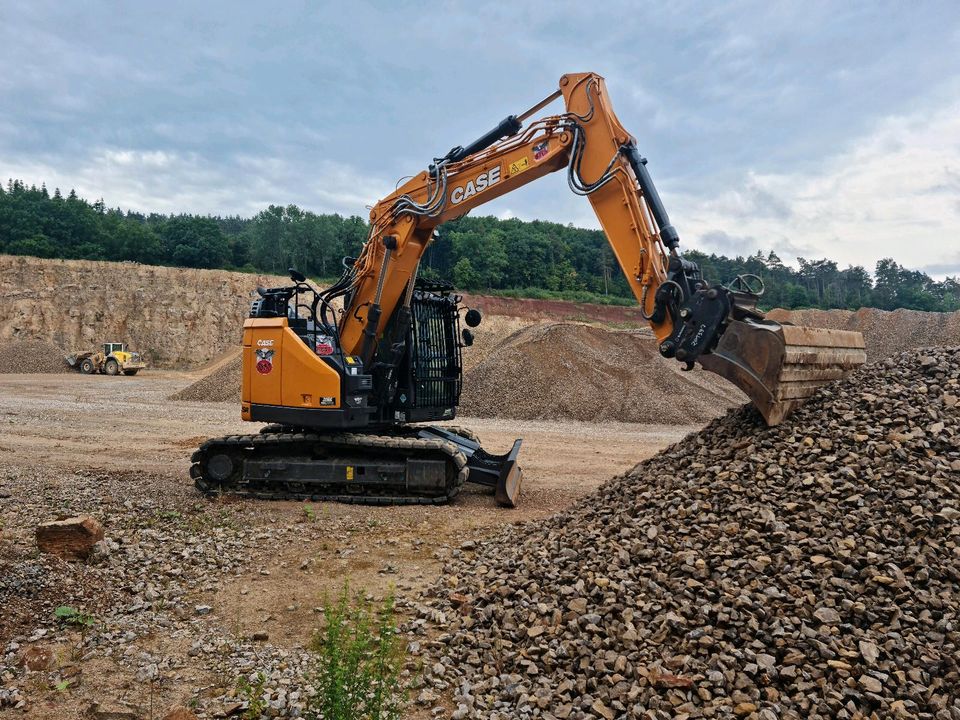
113,347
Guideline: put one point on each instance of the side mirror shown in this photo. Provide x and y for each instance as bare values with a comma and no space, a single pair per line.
296,275
473,317
467,337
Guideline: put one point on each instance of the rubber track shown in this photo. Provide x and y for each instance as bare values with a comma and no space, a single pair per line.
272,437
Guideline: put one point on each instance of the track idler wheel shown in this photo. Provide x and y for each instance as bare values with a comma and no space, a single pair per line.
211,473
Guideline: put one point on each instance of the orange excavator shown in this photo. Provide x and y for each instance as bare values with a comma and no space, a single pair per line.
347,375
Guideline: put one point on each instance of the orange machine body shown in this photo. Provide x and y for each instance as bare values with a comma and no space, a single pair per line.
687,314
280,369
378,353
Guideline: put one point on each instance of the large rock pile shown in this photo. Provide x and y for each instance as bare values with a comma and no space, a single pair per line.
810,570
584,372
222,383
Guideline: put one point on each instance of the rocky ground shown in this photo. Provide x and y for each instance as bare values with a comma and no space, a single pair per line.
811,570
185,595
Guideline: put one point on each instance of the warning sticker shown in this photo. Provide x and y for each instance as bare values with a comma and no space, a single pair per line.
349,472
540,150
324,345
519,166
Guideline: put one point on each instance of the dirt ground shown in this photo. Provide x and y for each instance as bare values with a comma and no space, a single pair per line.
126,435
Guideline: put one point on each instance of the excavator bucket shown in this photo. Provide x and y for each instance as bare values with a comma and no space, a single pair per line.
779,366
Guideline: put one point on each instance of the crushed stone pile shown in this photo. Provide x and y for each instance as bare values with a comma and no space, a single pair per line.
810,570
32,356
885,332
220,384
584,372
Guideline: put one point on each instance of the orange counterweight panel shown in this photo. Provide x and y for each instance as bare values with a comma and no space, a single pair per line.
308,382
262,338
280,369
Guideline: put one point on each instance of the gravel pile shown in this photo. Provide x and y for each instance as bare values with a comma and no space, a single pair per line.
885,332
810,570
31,356
222,384
584,372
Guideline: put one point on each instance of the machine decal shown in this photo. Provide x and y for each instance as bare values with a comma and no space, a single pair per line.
483,181
349,472
519,166
540,150
324,345
327,400
264,361
264,343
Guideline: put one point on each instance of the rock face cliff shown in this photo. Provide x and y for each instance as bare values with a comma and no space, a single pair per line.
176,317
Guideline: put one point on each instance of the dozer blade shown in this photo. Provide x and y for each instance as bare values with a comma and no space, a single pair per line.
500,472
511,476
779,366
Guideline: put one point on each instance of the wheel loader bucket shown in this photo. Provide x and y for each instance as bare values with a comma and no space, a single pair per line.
779,366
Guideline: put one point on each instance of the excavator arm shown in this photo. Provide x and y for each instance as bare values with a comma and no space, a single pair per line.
693,321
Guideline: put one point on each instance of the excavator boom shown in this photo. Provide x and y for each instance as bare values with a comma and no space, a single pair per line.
694,321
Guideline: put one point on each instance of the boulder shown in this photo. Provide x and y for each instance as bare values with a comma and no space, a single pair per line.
70,539
37,657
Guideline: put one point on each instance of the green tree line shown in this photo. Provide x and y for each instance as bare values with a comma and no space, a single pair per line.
481,254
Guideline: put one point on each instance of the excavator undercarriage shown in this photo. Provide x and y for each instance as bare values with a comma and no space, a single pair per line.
408,466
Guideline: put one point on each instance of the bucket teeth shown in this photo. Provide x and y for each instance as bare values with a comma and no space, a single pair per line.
779,366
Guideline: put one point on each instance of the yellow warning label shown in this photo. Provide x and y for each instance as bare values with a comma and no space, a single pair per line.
350,360
349,472
519,166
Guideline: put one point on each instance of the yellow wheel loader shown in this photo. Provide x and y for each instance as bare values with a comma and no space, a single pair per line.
113,359
342,373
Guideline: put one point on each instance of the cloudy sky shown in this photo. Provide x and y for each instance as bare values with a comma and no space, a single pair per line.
809,128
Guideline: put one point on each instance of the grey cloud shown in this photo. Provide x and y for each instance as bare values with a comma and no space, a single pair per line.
723,243
319,104
947,268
